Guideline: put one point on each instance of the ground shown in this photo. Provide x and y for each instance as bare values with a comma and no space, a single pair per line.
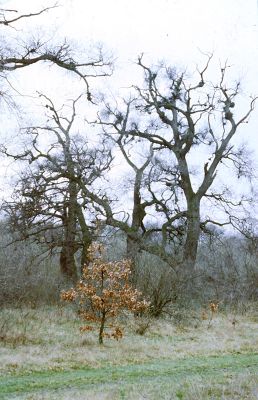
44,356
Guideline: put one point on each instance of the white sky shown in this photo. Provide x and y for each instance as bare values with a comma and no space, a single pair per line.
166,28
170,29
176,31
173,30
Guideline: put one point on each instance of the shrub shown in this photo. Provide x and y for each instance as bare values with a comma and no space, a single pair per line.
103,293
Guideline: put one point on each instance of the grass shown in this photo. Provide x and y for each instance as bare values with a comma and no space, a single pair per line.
44,356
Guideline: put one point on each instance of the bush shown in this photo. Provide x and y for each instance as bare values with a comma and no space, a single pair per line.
24,279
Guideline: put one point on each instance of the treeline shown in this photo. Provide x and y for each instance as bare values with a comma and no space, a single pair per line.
173,134
225,273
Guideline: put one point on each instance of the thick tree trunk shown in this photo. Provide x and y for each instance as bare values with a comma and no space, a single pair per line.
132,247
132,252
70,247
192,240
67,262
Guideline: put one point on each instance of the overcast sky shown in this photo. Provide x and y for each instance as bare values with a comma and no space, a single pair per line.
170,29
177,31
173,29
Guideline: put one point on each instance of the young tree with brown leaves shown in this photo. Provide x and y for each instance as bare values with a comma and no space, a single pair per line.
103,293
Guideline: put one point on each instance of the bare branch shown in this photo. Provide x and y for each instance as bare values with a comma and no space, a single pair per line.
9,21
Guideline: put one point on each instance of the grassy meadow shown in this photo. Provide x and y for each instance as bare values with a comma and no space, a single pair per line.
44,356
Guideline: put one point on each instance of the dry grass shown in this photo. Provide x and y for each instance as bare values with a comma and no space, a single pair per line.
49,339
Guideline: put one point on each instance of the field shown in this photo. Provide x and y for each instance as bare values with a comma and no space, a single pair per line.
44,356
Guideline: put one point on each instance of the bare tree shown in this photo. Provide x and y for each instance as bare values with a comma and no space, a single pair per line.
10,16
47,203
23,54
178,118
140,171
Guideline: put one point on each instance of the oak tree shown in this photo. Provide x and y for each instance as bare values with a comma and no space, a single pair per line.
47,204
178,119
103,293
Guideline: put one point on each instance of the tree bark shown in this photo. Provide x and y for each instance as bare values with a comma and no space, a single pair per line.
192,239
69,248
132,252
132,247
86,237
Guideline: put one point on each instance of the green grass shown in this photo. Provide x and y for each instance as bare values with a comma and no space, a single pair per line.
218,367
54,361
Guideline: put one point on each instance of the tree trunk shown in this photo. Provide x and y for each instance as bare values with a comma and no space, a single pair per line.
103,312
132,253
192,240
67,262
101,328
132,247
86,237
70,247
